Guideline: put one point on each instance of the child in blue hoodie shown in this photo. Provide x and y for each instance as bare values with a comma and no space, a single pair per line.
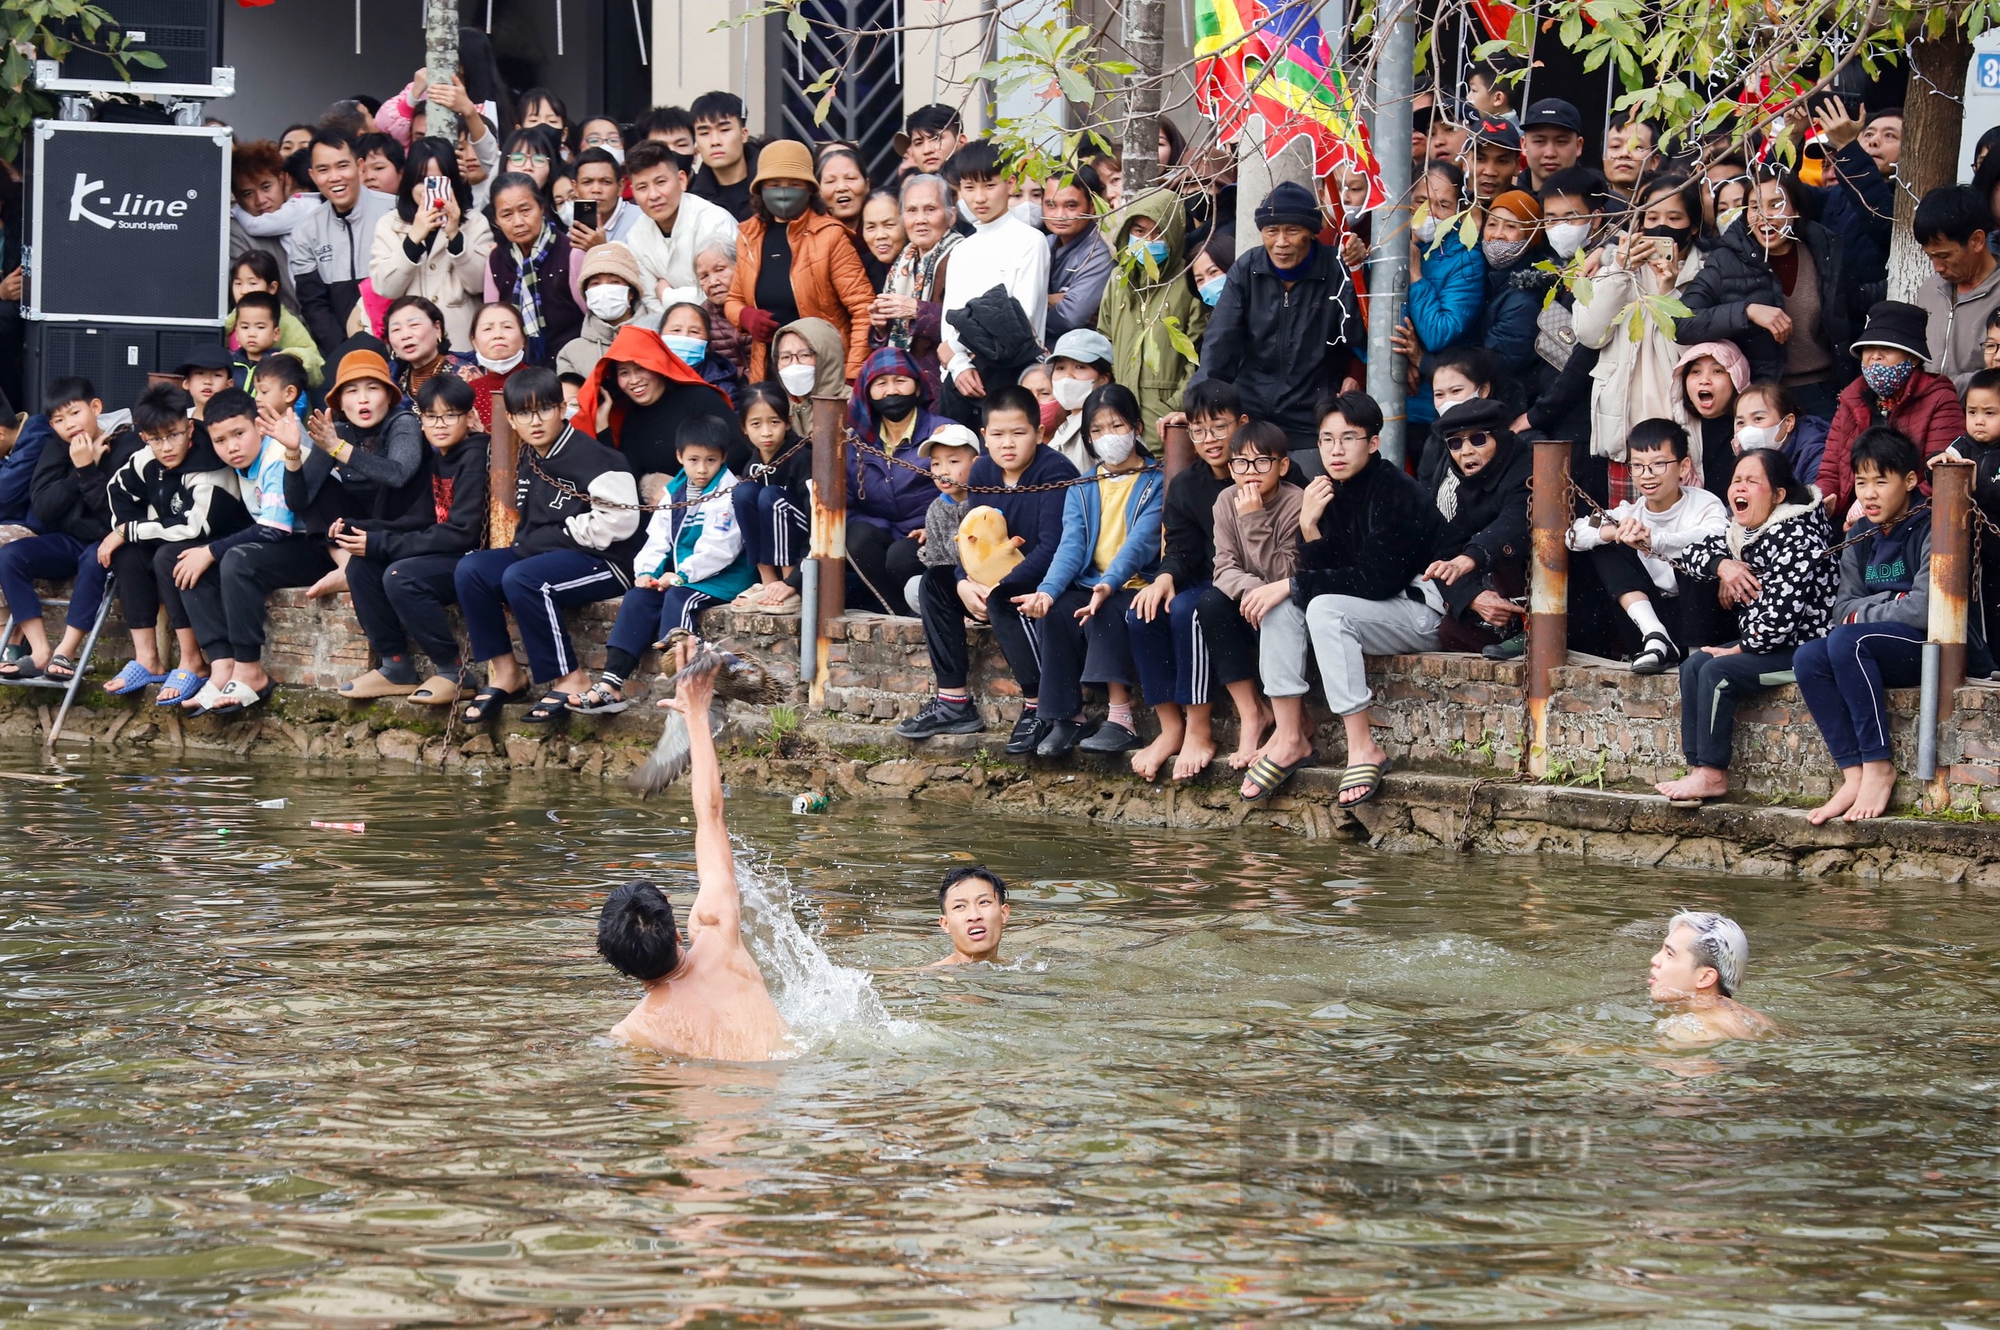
1110,549
693,558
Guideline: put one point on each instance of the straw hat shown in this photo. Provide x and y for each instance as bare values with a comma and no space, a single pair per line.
784,159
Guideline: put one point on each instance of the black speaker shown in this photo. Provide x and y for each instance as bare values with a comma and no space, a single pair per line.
187,34
116,358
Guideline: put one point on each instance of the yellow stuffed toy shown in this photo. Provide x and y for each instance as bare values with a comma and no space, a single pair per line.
985,550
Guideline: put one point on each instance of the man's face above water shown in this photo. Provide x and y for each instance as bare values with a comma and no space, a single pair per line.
973,918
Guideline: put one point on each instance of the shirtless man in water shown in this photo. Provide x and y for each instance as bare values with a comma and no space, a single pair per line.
972,911
1694,973
707,999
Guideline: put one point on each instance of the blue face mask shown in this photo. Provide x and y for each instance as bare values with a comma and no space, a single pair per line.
1211,290
1156,248
691,350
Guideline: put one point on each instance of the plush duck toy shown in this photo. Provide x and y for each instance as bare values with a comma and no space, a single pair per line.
985,550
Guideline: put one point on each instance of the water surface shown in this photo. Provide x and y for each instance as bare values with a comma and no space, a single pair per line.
255,1073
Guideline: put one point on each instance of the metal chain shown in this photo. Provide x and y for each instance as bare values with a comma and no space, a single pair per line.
569,491
765,470
1832,551
855,441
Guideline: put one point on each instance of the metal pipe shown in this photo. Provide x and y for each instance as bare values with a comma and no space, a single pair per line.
1950,599
1548,591
1927,713
829,530
503,464
1180,450
808,621
1389,264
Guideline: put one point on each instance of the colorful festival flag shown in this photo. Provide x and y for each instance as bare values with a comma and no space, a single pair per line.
1271,62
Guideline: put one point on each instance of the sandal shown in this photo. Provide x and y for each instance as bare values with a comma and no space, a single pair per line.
440,690
14,651
552,708
1364,776
1267,775
20,670
134,678
181,684
374,684
238,697
601,700
63,663
204,700
488,701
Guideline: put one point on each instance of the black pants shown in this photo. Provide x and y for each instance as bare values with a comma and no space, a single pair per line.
888,561
1598,626
226,608
945,617
1232,642
1711,686
145,573
404,601
1065,646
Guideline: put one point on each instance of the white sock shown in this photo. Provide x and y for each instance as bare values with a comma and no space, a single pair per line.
1642,613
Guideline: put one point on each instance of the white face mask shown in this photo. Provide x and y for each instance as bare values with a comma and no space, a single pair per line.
1070,393
501,366
1113,449
1027,210
617,151
1427,230
1566,238
610,302
1757,436
798,379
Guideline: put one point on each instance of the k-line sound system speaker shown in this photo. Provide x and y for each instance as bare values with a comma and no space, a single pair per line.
115,358
186,34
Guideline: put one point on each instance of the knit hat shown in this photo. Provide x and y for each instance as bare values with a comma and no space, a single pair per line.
1519,204
356,366
612,260
784,159
948,434
1289,204
1900,326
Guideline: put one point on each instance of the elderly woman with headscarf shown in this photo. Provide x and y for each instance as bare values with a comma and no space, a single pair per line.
886,500
909,314
534,270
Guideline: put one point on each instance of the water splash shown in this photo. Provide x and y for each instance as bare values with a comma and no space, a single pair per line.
821,1000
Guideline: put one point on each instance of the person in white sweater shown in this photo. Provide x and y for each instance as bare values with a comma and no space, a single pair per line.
1625,553
677,226
1003,251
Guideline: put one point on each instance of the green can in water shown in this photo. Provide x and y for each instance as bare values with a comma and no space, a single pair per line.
812,801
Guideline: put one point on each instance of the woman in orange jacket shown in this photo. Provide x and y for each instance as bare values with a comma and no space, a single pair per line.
795,262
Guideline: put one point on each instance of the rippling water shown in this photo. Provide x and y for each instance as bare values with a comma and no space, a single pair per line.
254,1073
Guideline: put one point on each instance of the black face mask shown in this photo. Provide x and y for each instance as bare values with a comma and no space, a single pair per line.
896,406
1682,236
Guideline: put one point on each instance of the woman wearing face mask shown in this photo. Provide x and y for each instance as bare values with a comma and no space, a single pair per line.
1447,289
1148,288
1768,417
685,330
612,287
1512,244
807,357
414,331
499,345
438,252
1210,271
1775,287
795,262
1894,390
889,414
910,311
1476,472
1079,364
1634,378
534,269
637,398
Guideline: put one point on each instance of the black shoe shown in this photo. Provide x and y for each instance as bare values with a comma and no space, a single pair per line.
1656,655
1111,737
942,717
1513,648
1028,732
1060,739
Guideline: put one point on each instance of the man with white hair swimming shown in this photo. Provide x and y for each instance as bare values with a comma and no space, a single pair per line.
1696,973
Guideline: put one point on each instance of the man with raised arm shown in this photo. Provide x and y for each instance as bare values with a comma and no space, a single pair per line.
706,999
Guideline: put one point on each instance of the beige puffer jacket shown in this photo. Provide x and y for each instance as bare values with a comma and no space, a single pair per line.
452,282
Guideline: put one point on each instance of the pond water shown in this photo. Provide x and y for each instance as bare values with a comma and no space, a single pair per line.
257,1073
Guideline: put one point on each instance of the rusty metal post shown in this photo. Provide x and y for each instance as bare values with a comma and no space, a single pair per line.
1950,595
1548,590
829,528
1180,450
502,465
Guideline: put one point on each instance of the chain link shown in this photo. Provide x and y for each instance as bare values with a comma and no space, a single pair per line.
1043,487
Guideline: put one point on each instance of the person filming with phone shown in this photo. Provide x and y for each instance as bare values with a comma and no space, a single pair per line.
435,243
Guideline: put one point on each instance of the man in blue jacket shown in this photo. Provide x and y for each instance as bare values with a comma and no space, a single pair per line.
21,440
1015,464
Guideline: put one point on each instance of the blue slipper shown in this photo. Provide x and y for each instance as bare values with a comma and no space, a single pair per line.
183,684
132,679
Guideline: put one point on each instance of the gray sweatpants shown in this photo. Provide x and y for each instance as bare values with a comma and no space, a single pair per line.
1345,628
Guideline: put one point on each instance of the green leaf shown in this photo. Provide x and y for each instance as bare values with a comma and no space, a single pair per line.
1180,341
1076,87
795,24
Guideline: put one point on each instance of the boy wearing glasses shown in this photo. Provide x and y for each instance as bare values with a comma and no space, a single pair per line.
580,528
1625,556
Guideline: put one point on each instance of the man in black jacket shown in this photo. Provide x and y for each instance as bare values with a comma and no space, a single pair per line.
70,504
1367,533
1288,321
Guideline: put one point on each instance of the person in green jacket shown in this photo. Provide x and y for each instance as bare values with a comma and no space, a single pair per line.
1149,295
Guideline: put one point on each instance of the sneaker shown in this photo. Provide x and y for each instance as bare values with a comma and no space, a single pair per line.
1111,738
1028,732
1060,739
942,717
1656,655
1513,648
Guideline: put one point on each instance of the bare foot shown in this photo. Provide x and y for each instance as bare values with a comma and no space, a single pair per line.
1194,757
1147,761
1700,783
1249,740
1842,800
332,584
1878,782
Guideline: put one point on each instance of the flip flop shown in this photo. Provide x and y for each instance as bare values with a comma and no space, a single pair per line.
20,671
610,705
183,684
440,690
238,697
552,708
134,678
60,662
487,701
1267,775
204,699
1366,776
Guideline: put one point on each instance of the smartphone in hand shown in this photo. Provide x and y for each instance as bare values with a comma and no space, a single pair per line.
583,212
436,190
